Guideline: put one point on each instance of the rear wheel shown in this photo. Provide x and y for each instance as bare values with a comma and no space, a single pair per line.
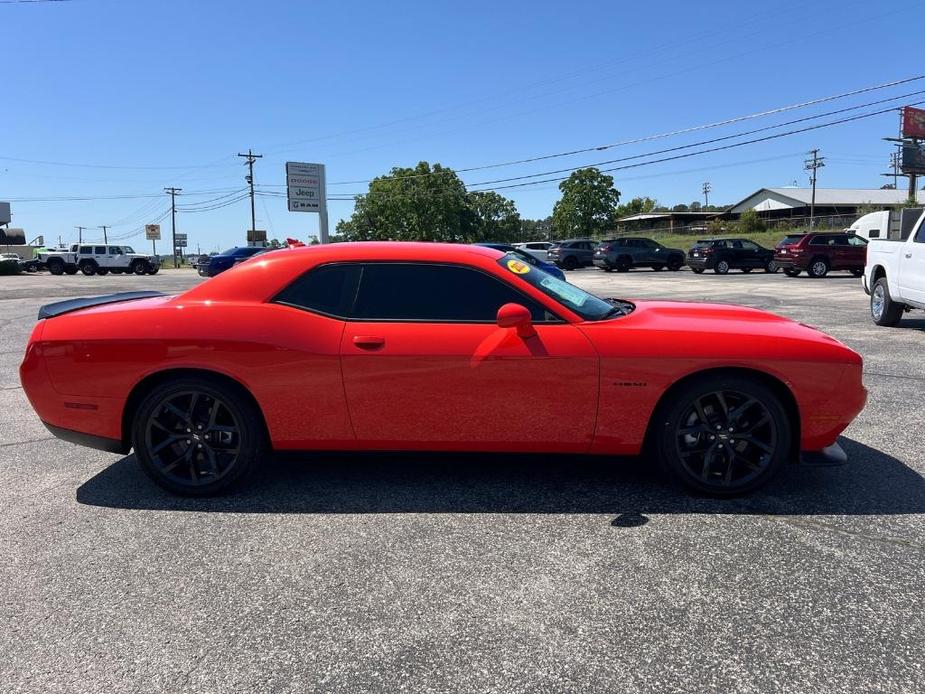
70,269
792,272
658,268
570,263
197,437
56,266
818,268
102,271
883,309
697,270
623,264
857,272
723,436
675,264
152,270
722,267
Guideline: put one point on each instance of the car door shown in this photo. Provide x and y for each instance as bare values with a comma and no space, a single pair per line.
749,254
425,365
115,258
911,276
856,252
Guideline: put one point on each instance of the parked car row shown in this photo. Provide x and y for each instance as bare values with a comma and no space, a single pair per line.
816,253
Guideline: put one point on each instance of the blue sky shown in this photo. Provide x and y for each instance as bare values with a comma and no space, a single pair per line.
124,98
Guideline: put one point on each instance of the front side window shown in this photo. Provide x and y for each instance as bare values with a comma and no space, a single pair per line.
858,241
436,293
115,250
86,250
821,241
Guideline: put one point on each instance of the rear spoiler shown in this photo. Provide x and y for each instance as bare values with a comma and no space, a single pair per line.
60,307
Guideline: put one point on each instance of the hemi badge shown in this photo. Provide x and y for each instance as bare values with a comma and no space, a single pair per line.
80,406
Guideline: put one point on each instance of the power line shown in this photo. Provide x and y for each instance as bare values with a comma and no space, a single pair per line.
684,131
250,158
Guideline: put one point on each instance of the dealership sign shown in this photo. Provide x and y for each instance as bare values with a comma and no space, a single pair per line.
913,122
153,232
305,187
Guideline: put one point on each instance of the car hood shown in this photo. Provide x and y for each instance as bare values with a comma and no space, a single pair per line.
713,328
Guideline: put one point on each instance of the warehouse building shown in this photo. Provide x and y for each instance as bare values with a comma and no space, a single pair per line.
834,206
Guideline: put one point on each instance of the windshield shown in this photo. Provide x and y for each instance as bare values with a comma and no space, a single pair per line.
576,300
790,239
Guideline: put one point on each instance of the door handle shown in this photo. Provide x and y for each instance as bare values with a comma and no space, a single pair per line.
368,341
908,255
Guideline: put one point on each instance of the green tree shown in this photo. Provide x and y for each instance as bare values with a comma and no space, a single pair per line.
587,206
680,208
424,203
536,229
495,217
750,222
636,205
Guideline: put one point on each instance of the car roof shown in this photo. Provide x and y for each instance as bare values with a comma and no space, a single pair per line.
263,277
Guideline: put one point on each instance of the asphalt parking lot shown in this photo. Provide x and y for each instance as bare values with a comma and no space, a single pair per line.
469,574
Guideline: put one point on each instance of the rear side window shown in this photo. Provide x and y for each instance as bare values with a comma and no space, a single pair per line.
86,250
435,293
329,289
99,250
821,241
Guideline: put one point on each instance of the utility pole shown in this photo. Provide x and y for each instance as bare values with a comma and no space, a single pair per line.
104,228
80,234
173,192
250,158
706,193
812,165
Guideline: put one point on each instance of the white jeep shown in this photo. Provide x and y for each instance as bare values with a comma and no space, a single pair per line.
98,259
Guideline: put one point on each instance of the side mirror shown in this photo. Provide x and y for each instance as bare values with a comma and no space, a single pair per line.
516,316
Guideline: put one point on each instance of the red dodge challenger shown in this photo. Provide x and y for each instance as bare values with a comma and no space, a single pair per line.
403,346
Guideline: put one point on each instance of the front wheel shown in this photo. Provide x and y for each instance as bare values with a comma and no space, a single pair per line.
883,310
56,267
570,263
152,270
697,270
658,268
88,268
196,436
723,436
102,271
138,267
771,267
675,264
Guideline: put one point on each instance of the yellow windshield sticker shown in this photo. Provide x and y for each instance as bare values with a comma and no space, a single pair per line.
518,267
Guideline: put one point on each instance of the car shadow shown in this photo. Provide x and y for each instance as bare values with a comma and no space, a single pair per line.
871,483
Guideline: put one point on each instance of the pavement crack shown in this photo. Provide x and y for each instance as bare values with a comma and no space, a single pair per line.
816,524
907,378
21,443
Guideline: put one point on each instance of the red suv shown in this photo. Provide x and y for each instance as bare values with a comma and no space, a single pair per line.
819,252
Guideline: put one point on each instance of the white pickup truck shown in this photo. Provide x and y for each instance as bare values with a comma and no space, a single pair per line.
99,259
894,276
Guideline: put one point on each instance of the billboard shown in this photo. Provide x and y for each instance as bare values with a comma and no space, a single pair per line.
913,122
913,159
153,232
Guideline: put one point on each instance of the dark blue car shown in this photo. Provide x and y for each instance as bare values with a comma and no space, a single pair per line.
217,264
548,268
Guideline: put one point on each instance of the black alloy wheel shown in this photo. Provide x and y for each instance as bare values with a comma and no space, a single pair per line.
722,267
197,437
675,264
724,436
88,267
139,267
819,268
771,267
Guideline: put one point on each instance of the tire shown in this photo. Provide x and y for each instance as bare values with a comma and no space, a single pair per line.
152,270
771,267
607,268
857,272
87,267
883,310
721,267
623,264
675,264
792,272
177,440
56,266
819,268
746,270
658,268
751,435
102,271
570,263
70,269
697,270
117,271
138,267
